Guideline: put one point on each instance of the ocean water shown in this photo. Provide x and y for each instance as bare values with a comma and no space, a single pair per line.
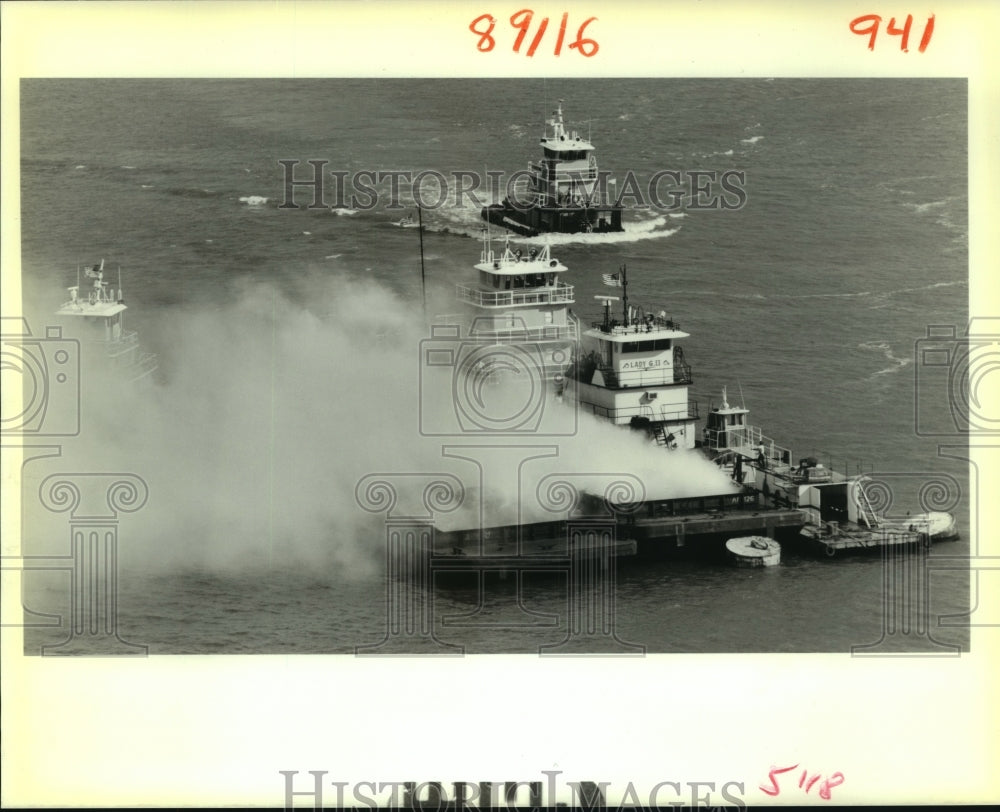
289,338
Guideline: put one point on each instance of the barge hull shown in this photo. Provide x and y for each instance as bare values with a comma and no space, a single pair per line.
537,220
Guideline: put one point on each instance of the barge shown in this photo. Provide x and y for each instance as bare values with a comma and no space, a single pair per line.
631,371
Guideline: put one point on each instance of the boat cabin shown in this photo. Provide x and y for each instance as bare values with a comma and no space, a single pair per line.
519,295
726,428
101,314
632,372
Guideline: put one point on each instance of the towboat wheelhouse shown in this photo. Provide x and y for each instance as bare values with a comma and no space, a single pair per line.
520,298
632,372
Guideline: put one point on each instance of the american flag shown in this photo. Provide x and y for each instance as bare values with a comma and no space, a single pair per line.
612,280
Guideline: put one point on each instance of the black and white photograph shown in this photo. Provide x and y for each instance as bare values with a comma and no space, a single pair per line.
683,342
581,379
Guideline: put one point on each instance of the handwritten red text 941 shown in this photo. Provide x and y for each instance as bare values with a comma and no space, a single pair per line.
868,24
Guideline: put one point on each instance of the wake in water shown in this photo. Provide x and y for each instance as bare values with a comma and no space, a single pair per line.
653,229
885,350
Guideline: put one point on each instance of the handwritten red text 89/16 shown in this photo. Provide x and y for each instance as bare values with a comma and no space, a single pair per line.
485,24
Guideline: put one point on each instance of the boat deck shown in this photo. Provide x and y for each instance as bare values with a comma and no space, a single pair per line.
712,524
537,554
829,540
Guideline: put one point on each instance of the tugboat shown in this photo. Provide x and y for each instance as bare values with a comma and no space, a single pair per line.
632,371
102,312
838,513
520,298
565,193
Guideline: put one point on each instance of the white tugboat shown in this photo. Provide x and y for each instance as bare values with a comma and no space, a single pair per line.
520,299
632,372
565,192
101,311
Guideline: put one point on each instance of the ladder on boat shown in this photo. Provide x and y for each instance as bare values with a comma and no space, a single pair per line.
866,507
660,435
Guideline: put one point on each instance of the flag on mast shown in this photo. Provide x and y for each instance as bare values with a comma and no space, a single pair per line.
612,280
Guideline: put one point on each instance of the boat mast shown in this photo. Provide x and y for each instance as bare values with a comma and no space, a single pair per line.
423,282
624,295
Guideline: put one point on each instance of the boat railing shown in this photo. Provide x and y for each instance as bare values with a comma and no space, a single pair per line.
144,365
126,340
647,325
558,293
511,335
628,412
748,440
635,378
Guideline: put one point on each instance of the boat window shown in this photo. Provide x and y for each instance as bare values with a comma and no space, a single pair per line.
646,346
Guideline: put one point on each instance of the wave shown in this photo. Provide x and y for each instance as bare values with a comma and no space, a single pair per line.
885,349
752,140
652,229
920,208
254,200
344,212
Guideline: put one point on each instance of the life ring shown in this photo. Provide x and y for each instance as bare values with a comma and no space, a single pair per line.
552,263
830,551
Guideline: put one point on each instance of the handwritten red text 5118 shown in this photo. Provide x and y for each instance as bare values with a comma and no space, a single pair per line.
806,782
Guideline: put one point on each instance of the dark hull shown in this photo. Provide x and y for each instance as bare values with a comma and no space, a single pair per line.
554,219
